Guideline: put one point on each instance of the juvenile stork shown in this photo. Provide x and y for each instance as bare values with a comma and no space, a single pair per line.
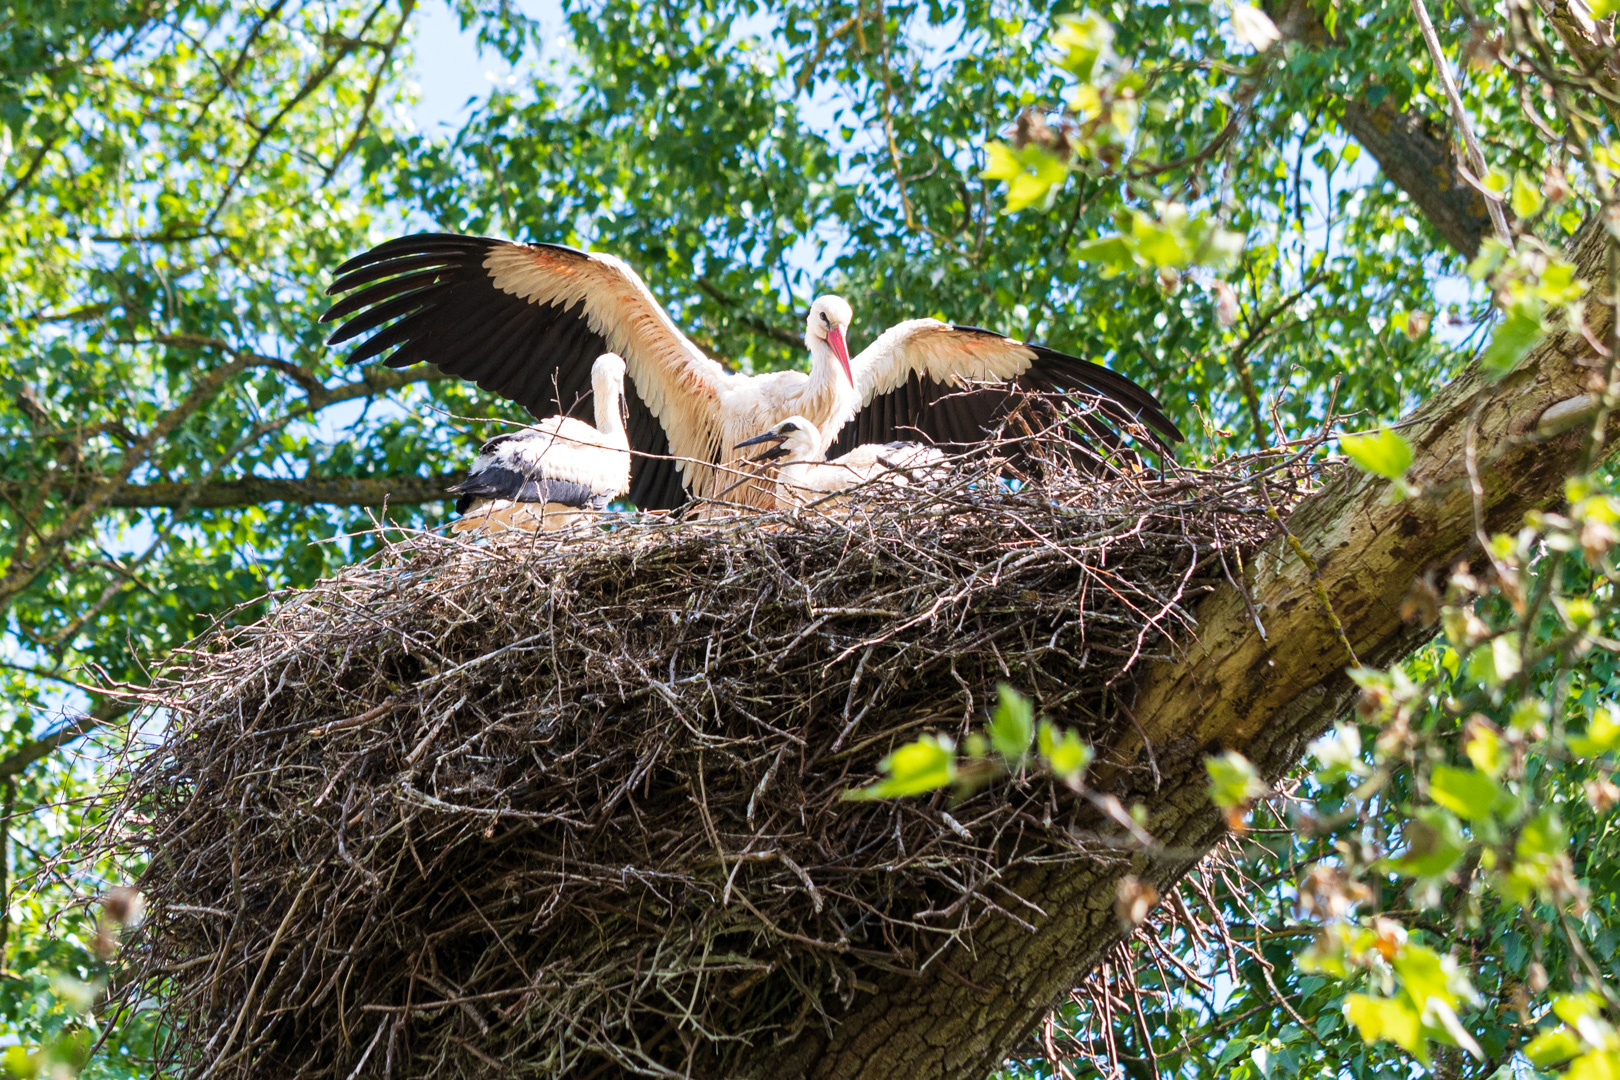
556,474
803,476
525,320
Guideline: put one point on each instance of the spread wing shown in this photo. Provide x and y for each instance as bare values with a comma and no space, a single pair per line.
915,378
526,321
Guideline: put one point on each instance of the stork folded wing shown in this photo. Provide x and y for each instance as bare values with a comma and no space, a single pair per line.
925,377
526,321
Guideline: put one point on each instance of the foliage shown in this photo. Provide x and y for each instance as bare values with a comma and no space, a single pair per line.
931,762
177,180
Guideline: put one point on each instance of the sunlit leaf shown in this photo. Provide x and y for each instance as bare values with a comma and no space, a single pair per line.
1517,334
1387,1019
1526,199
1602,735
1382,453
1467,793
1012,728
927,764
1552,1048
1234,781
1064,752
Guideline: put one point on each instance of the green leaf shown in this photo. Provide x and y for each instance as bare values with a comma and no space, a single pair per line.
1486,750
1033,173
1081,41
1496,662
1387,1019
1526,198
1064,752
1602,736
19,1063
1233,780
1597,1065
918,767
1433,845
1382,453
1467,793
1012,728
1513,340
1552,1048
1574,1008
1115,253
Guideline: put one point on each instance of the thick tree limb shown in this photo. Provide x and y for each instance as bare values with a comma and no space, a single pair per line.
36,749
308,491
961,1018
1421,166
257,490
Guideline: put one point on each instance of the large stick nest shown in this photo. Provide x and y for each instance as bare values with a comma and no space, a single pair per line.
542,806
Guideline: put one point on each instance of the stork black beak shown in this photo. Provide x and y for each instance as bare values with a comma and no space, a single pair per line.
769,436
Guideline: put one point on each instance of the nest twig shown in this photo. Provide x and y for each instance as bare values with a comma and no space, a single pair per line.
560,805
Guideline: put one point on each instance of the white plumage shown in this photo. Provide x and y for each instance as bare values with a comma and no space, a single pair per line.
523,319
803,476
556,474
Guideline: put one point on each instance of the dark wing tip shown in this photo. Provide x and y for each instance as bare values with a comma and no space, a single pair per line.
1117,388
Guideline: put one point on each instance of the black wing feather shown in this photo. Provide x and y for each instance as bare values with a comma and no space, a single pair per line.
948,415
429,299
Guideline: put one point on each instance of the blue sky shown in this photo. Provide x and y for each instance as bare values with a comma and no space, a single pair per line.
450,69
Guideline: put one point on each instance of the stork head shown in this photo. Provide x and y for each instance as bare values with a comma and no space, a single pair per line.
608,371
829,320
794,439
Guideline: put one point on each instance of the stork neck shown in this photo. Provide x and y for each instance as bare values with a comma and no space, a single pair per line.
828,390
608,417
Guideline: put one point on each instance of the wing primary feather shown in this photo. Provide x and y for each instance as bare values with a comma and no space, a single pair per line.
380,291
389,310
368,275
420,244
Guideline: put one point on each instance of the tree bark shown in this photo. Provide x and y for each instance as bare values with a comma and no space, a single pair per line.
1422,167
1414,160
257,490
1265,696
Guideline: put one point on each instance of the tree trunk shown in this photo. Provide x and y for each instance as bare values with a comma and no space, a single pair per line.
1422,167
1413,159
1266,697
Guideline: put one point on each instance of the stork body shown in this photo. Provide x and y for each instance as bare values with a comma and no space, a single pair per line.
554,475
522,320
804,476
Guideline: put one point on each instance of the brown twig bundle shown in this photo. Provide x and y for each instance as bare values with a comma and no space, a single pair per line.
570,805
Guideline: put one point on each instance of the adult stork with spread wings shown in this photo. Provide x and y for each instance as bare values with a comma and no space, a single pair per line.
525,321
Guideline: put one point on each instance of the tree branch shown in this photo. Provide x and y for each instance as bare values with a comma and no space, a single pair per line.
1265,697
35,749
257,490
1411,158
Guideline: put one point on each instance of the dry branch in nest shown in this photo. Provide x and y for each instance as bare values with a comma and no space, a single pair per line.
545,806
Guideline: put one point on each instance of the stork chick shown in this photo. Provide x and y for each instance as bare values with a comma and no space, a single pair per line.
559,473
804,477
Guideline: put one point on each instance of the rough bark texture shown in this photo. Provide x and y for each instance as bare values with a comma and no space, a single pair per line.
258,490
1421,166
1414,160
1264,696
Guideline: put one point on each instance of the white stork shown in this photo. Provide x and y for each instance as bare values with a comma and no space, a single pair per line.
804,476
556,474
524,320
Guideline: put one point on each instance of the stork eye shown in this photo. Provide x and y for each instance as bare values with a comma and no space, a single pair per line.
790,427
824,320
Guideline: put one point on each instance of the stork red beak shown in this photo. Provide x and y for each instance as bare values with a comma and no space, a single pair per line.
840,348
